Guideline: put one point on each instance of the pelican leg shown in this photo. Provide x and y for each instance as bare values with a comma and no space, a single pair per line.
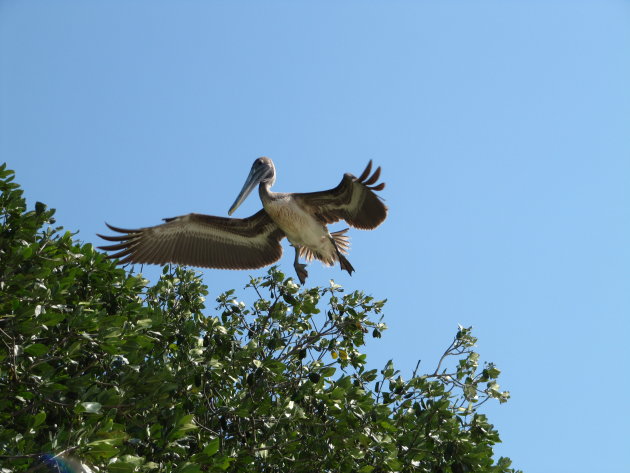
300,269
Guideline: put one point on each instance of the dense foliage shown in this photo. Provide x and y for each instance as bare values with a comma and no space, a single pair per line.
101,372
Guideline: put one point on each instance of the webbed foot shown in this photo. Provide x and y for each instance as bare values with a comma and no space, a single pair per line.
345,264
301,271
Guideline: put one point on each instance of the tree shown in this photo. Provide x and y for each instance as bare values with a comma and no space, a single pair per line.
100,371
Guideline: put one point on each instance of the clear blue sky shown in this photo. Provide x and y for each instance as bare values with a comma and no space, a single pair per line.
503,130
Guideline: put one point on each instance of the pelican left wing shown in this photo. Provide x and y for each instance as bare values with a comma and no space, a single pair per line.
201,240
353,200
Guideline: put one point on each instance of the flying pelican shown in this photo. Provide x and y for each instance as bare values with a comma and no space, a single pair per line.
233,243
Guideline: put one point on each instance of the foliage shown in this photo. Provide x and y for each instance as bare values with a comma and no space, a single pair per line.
101,372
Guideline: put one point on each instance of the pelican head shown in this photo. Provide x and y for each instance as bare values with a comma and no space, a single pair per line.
263,171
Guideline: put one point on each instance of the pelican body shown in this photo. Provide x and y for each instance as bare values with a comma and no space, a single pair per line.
254,242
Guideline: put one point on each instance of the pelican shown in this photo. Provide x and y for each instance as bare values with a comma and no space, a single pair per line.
232,243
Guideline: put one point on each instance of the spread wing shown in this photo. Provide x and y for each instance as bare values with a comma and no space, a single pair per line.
353,200
201,240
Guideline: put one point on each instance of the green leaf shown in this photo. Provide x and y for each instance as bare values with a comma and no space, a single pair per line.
328,371
38,418
222,462
212,447
132,460
52,319
387,426
189,468
40,207
144,323
111,442
36,349
89,407
276,366
121,467
389,371
393,464
184,425
102,449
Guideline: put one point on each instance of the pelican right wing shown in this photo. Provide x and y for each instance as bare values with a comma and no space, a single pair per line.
353,200
201,240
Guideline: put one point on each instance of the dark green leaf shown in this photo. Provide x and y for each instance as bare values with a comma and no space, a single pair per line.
36,349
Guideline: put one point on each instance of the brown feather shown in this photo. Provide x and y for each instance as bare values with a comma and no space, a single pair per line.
201,240
374,177
254,242
366,172
352,200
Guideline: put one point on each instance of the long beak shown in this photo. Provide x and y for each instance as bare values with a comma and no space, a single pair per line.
254,178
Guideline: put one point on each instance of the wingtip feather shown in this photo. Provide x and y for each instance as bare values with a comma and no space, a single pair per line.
121,230
366,172
374,177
